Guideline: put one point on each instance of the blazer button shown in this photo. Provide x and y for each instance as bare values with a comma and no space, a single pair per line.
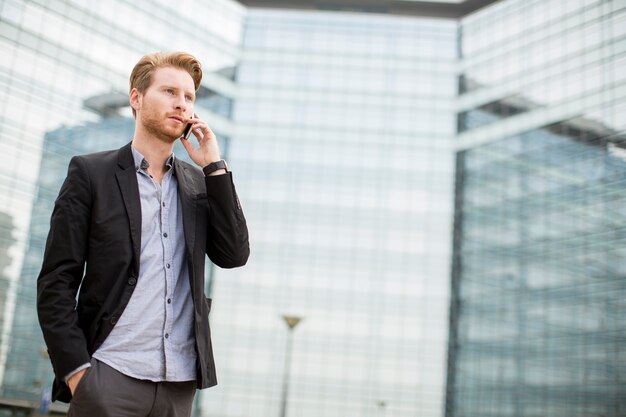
132,281
113,320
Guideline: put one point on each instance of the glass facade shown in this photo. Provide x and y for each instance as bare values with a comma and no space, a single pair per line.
344,149
379,159
357,245
538,284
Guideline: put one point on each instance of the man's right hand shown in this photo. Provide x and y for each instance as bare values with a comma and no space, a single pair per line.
73,381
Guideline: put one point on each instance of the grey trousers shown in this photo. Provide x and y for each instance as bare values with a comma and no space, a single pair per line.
105,392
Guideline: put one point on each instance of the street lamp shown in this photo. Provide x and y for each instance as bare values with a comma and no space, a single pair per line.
381,407
292,322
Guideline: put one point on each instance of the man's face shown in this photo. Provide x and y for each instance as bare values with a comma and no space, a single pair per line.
166,105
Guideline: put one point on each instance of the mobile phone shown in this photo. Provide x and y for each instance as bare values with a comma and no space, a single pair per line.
187,131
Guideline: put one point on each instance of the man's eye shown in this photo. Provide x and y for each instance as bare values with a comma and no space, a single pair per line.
169,91
189,98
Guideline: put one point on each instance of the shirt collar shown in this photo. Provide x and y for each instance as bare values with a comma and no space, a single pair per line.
142,164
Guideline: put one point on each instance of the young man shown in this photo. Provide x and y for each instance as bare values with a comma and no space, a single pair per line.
130,229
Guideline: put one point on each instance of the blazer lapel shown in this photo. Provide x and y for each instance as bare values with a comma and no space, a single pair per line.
186,187
127,181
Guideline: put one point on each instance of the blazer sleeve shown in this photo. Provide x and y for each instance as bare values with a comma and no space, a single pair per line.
227,232
62,272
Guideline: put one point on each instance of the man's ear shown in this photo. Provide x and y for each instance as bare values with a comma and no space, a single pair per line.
135,99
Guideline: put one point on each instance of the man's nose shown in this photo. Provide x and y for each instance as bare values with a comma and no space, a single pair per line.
181,103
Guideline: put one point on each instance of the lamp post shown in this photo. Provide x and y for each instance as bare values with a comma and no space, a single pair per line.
292,322
381,407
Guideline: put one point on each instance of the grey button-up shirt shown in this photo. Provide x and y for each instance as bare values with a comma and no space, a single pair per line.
154,338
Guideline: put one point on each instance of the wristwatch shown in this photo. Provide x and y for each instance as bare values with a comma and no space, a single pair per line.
214,166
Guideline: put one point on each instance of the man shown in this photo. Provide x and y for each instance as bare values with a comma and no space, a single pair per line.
129,234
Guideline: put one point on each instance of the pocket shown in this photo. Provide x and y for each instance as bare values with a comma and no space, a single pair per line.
83,380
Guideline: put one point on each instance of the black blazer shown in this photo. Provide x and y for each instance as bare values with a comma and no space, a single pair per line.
93,249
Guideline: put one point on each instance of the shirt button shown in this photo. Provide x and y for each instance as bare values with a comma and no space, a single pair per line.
167,266
167,335
164,234
169,301
163,204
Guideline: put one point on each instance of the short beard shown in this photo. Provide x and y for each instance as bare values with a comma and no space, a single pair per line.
153,127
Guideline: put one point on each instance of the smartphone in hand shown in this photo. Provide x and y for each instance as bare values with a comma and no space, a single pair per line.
187,131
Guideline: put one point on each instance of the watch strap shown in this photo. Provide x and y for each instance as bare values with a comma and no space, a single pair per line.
214,166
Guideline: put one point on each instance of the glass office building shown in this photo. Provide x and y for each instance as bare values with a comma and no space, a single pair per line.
356,244
378,159
539,289
344,149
